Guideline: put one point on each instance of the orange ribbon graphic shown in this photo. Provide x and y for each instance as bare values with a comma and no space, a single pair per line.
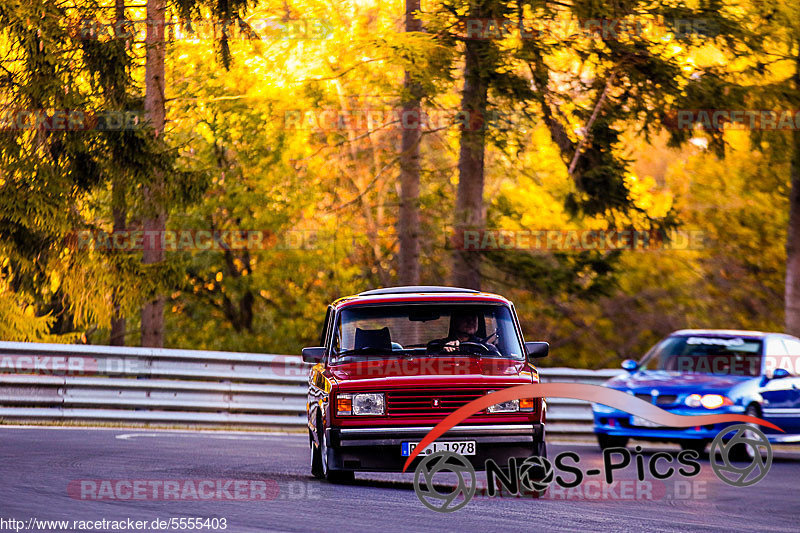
580,391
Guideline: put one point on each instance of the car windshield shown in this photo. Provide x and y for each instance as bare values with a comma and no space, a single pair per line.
408,330
726,355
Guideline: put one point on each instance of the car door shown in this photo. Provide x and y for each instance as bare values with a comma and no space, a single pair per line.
792,385
781,395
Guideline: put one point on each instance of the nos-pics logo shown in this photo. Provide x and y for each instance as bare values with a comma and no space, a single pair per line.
535,474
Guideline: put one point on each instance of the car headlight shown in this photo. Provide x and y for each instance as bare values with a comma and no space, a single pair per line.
373,403
600,408
511,406
709,401
369,404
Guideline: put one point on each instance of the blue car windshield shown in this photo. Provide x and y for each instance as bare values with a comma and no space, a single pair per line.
725,355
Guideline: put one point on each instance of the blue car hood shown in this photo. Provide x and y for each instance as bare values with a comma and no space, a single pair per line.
675,382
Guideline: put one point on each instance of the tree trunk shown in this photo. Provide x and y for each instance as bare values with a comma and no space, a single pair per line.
469,202
119,208
119,212
792,294
156,217
411,127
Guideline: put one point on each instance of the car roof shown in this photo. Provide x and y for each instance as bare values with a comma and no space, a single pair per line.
420,294
727,332
411,289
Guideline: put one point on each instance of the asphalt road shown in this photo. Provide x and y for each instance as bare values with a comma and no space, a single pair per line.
58,474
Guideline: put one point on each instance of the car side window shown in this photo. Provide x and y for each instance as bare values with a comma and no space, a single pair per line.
775,347
792,347
774,351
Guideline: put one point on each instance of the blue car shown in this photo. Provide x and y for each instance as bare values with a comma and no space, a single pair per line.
708,372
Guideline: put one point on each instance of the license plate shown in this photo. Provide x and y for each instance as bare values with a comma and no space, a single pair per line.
464,447
641,422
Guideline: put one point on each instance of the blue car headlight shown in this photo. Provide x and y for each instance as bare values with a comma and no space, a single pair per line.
600,408
709,401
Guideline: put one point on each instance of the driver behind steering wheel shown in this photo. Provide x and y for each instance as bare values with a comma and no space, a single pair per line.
464,327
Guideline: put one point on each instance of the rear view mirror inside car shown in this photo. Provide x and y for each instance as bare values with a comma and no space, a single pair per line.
423,315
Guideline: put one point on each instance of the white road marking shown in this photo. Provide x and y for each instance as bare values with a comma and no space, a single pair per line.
230,435
153,430
61,428
129,436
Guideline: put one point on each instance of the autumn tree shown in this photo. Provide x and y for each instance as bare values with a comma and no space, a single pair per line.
408,215
226,15
55,172
586,84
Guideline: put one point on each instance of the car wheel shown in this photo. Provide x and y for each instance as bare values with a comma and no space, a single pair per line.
538,473
611,441
333,476
744,452
316,458
696,445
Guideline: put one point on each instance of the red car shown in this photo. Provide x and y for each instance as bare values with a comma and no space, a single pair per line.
394,362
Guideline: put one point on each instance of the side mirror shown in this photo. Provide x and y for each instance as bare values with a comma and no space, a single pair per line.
630,365
537,350
313,355
780,373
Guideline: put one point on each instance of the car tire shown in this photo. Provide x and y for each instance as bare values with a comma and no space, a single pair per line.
541,449
742,452
332,476
697,445
316,458
611,441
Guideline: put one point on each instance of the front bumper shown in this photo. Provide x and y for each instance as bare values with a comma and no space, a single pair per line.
378,449
613,422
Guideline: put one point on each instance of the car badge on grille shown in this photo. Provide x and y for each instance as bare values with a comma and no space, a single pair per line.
435,402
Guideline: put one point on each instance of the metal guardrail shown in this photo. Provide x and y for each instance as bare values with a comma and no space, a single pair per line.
61,382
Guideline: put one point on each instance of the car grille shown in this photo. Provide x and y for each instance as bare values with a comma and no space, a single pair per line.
663,399
420,402
666,399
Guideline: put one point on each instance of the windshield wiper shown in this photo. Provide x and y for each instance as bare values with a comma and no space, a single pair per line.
366,350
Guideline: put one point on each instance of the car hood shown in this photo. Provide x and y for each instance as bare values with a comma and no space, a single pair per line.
675,381
434,371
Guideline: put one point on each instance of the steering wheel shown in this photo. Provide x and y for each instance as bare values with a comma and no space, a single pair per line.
477,348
